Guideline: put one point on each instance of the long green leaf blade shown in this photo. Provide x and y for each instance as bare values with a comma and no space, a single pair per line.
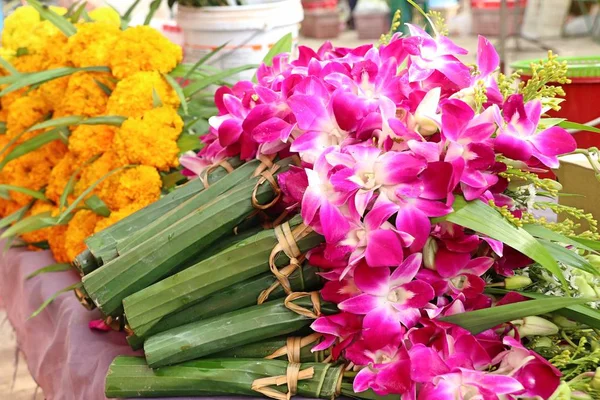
30,224
482,218
179,91
54,297
30,192
35,143
153,8
200,84
14,217
542,232
203,60
283,45
57,122
480,320
569,257
60,22
8,66
96,204
579,127
58,267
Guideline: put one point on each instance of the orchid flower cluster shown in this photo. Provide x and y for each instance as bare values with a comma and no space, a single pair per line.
389,137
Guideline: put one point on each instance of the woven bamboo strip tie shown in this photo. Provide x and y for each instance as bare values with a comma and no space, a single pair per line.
223,164
287,242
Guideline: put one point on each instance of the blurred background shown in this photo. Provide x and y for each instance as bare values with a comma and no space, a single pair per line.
521,30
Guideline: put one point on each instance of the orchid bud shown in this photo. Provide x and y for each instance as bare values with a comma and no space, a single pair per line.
563,322
552,184
535,326
467,95
429,252
595,383
516,282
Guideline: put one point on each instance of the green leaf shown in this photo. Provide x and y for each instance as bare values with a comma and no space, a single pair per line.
58,267
35,143
484,219
177,88
36,78
22,51
30,192
30,224
57,20
153,8
87,191
130,10
68,189
53,297
188,142
568,257
580,313
200,84
283,45
104,88
546,123
112,120
480,320
96,204
579,127
156,101
592,244
203,60
57,122
170,180
14,217
542,232
8,66
2,128
76,15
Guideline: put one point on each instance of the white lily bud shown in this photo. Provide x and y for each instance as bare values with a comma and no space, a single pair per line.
516,282
535,326
429,251
584,287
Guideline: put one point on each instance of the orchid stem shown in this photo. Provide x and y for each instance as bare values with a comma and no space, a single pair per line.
563,334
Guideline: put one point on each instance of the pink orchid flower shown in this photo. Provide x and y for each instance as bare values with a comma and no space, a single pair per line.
389,298
517,137
339,331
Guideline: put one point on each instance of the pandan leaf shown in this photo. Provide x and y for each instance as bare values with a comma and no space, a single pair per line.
484,219
54,297
96,204
579,127
283,45
37,78
59,21
58,267
179,91
480,320
200,84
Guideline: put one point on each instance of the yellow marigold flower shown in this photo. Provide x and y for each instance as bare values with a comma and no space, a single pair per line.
86,141
106,14
93,44
139,185
83,95
18,27
60,175
41,235
25,112
53,90
143,48
116,216
56,240
133,95
8,207
80,227
96,170
150,139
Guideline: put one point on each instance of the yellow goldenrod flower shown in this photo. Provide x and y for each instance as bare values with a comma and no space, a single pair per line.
150,139
84,96
133,95
93,44
139,185
106,14
143,48
87,141
80,227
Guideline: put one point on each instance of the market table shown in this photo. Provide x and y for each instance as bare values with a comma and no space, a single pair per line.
67,359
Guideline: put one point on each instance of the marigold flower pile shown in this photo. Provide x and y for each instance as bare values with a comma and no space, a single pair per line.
137,57
389,137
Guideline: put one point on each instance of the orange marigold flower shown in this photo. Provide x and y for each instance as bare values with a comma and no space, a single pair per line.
56,240
116,216
41,235
139,185
25,112
53,90
133,95
60,175
80,227
7,100
84,96
8,207
150,139
142,48
86,141
96,170
93,44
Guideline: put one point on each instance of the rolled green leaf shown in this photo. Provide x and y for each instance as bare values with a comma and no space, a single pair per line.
267,347
238,263
103,245
161,255
130,377
85,262
235,297
227,331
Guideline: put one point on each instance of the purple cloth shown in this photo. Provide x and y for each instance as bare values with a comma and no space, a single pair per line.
67,359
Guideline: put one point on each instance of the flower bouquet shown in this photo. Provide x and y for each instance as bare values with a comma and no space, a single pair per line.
361,222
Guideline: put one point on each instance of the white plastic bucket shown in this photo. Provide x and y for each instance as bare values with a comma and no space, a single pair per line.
249,31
